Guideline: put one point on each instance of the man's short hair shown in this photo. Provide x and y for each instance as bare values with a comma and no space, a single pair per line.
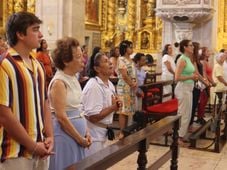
19,22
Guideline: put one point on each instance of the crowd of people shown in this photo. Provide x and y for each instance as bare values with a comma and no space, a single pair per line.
47,106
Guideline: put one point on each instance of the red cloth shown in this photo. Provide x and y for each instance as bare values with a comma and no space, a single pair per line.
203,99
164,108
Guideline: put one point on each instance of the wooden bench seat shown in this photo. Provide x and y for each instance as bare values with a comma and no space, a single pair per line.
153,97
164,109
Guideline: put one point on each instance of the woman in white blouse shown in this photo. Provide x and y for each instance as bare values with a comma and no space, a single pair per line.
168,67
99,112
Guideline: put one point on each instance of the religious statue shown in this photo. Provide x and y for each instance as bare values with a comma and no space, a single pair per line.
145,42
150,8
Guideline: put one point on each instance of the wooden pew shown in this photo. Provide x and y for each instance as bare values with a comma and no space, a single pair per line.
138,141
151,77
153,103
214,124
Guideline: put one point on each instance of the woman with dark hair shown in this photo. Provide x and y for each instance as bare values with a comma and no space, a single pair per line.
44,58
127,84
198,84
168,68
70,127
204,93
185,76
176,45
94,52
99,113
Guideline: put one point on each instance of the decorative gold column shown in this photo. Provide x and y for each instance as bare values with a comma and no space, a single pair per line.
131,19
110,17
109,29
222,25
19,5
31,6
11,6
225,16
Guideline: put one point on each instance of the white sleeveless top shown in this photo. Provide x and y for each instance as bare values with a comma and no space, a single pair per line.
74,91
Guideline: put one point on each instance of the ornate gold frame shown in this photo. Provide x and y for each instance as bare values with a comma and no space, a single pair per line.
95,25
2,27
222,34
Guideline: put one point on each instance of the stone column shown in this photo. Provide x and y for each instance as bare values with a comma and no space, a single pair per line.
183,31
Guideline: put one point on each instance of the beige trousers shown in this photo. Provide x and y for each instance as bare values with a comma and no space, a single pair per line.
24,164
183,92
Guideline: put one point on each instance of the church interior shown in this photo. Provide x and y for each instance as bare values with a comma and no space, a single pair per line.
149,25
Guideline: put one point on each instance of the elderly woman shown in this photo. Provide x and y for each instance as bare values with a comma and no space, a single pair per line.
70,127
99,112
185,76
218,76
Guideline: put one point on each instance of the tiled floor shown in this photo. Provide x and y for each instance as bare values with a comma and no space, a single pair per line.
189,159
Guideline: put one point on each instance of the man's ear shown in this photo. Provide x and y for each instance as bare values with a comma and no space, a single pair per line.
20,35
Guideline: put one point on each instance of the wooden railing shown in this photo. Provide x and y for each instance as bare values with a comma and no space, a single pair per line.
139,141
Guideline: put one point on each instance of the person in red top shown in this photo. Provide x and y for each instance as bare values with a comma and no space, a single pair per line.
205,93
44,58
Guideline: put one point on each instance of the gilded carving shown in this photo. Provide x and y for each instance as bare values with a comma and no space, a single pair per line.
225,17
31,6
131,19
19,5
11,6
222,25
122,6
118,26
150,6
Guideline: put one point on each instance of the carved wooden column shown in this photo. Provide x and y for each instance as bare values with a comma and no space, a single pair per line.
142,157
131,19
110,16
108,26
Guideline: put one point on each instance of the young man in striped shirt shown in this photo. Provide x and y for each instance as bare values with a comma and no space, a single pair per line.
26,135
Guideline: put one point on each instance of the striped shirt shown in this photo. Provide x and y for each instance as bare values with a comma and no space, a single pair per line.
23,90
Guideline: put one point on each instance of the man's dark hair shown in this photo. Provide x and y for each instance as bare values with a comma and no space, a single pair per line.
19,22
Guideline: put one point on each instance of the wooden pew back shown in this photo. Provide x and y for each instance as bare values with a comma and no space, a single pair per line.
138,141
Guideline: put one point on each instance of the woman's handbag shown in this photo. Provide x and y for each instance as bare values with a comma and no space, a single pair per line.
110,133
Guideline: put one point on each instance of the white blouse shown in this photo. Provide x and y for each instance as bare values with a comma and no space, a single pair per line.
73,90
